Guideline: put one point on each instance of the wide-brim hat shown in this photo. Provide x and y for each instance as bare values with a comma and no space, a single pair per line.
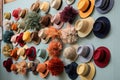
101,56
42,55
69,2
15,13
85,7
84,26
35,38
88,53
23,13
45,6
57,23
101,27
86,71
70,69
7,15
104,6
56,4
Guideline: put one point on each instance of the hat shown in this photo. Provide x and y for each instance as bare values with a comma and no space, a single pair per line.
70,53
35,6
56,4
42,55
101,27
13,54
7,49
69,2
35,38
45,6
45,21
85,7
70,69
21,52
57,23
85,52
86,71
42,69
31,53
84,26
101,56
23,13
26,36
7,36
14,27
13,38
104,6
15,13
7,15
7,24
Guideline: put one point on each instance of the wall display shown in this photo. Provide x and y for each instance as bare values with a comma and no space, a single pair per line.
49,40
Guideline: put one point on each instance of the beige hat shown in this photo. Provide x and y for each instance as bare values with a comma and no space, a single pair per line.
70,53
45,6
86,71
35,6
56,4
84,26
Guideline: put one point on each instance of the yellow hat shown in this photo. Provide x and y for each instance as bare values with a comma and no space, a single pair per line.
7,15
45,6
85,7
26,36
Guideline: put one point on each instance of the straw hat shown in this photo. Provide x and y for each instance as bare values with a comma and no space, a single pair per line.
42,55
56,4
101,27
42,69
7,15
26,36
15,13
85,53
86,71
35,6
85,7
23,13
84,26
69,2
45,6
104,6
101,56
57,23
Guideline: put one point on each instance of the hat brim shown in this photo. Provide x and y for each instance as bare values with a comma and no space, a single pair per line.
70,2
111,4
107,59
107,28
59,4
87,13
89,57
46,40
59,26
89,29
91,75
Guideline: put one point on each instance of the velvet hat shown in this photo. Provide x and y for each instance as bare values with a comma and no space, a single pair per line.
42,55
42,69
69,2
101,27
104,6
71,69
57,23
85,52
84,26
7,15
15,13
56,4
31,53
86,71
85,7
35,38
101,56
45,6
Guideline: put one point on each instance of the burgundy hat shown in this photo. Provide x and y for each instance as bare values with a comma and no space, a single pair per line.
7,64
101,56
31,53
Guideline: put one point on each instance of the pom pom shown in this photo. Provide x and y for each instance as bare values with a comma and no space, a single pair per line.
54,48
55,66
7,36
68,14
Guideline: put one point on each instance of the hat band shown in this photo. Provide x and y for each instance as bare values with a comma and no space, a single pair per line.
105,5
88,6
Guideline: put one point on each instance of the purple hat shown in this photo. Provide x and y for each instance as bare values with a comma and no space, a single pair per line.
104,6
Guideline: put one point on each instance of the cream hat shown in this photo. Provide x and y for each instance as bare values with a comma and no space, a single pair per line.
45,6
86,71
56,4
84,26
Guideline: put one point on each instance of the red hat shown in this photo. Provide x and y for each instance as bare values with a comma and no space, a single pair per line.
101,56
31,53
15,13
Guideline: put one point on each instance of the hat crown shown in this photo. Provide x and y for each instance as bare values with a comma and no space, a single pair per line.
100,56
41,67
41,33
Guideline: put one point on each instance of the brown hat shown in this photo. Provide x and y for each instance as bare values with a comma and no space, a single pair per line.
23,13
35,38
35,6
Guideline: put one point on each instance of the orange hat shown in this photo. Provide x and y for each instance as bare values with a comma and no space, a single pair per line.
14,26
13,54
